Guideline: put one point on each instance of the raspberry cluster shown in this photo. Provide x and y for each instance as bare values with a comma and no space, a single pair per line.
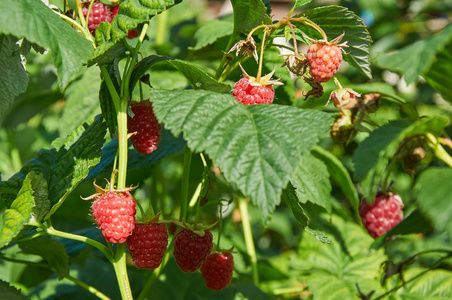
99,13
115,214
382,215
249,94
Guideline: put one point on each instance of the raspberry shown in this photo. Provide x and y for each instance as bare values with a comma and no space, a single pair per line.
382,215
115,214
99,13
190,249
147,127
147,245
248,94
217,270
323,61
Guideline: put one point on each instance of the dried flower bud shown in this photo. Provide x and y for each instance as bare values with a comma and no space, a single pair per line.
247,47
295,63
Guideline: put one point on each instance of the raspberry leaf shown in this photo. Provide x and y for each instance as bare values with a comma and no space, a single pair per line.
213,30
52,251
106,101
197,77
13,218
434,197
335,20
13,77
416,59
257,146
39,24
440,74
289,196
311,181
299,3
249,14
9,292
434,284
371,156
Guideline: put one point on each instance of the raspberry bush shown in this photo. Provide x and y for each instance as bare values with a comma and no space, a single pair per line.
262,129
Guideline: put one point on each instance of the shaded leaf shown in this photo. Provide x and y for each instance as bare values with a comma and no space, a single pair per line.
340,175
335,20
13,78
211,31
13,219
384,89
8,292
440,74
417,58
311,181
433,285
249,14
40,25
289,196
434,197
256,146
373,154
106,101
40,195
51,250
197,77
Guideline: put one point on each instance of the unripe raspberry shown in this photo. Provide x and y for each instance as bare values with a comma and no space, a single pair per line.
115,214
382,215
249,94
217,270
190,249
147,245
323,61
146,126
99,13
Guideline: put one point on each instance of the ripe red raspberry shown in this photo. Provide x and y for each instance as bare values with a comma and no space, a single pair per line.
115,214
147,127
99,13
248,94
147,245
382,215
323,61
190,249
217,270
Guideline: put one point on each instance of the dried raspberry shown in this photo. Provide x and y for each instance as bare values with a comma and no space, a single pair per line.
99,13
382,215
147,245
190,249
248,94
217,270
145,124
323,61
115,214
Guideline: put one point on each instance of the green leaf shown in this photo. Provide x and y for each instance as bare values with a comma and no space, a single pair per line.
335,20
106,101
332,271
319,236
372,155
40,195
413,223
211,31
82,102
415,59
256,146
13,78
39,24
433,285
386,90
440,74
13,218
131,13
52,251
299,3
311,181
289,196
80,153
434,197
8,292
249,14
340,175
197,77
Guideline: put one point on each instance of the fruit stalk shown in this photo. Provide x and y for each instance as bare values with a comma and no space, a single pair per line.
251,251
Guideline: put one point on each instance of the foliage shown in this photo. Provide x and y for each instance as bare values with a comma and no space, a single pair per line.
278,184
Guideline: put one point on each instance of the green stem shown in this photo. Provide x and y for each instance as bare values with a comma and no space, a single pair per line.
120,267
111,87
185,181
291,290
223,61
122,144
89,288
243,206
70,236
162,21
413,278
261,58
388,172
439,150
